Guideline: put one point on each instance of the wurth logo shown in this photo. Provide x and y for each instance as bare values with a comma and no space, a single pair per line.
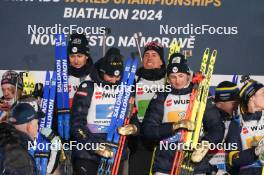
255,128
102,95
244,130
98,95
168,102
140,91
176,102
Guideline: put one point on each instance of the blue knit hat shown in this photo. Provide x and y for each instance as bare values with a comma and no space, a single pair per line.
226,91
248,90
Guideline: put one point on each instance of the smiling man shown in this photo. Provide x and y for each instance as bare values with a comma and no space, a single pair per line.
150,79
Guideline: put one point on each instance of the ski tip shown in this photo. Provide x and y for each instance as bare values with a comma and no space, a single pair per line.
207,51
54,76
214,53
128,61
47,73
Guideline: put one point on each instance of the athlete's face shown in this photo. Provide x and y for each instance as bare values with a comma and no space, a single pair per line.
229,106
179,80
111,79
8,91
151,60
77,60
258,98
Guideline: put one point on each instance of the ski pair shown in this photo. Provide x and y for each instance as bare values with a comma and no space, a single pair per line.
111,165
63,106
41,156
182,161
62,87
193,105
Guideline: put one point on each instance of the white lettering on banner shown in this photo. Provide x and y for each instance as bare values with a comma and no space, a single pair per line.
148,15
42,39
114,14
92,13
127,41
190,3
122,41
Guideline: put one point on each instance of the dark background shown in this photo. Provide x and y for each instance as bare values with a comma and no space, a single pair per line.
241,53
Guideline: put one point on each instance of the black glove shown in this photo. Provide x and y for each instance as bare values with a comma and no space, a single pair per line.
38,90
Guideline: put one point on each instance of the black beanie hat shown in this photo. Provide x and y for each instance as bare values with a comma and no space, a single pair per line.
226,91
78,43
112,63
13,78
248,90
156,47
178,63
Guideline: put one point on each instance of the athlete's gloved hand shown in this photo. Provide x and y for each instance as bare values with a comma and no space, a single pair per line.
259,150
104,151
55,149
38,90
200,152
129,129
183,124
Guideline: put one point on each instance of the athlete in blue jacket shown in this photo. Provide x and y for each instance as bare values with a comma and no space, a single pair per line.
216,120
248,158
166,112
150,79
91,113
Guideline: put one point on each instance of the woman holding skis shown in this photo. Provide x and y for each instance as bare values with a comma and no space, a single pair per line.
92,110
248,158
